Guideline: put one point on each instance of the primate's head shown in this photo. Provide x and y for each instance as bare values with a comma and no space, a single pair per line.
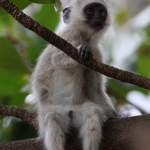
94,13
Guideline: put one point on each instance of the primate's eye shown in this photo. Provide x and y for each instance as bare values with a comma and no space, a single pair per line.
102,12
90,11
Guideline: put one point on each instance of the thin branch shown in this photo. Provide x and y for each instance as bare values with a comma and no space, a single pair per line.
55,40
19,113
118,134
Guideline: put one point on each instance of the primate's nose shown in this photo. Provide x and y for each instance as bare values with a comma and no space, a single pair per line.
96,15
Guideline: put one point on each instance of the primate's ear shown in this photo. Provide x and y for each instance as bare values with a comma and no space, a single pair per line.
66,14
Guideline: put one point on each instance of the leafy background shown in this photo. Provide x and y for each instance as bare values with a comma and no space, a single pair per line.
128,48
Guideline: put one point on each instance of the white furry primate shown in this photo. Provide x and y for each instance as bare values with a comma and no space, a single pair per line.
67,93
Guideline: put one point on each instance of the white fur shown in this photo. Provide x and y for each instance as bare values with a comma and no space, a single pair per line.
60,84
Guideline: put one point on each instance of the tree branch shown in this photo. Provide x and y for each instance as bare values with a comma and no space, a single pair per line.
29,144
118,134
19,113
55,40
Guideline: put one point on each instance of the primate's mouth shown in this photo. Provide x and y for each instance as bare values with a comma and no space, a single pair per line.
97,26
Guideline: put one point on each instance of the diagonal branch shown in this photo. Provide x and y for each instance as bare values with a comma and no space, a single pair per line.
55,40
19,113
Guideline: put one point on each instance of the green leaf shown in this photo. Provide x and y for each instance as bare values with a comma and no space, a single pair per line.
13,72
37,44
118,90
43,1
21,4
143,60
143,55
57,3
52,18
121,16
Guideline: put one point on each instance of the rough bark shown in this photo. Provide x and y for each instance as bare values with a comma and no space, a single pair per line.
19,113
55,40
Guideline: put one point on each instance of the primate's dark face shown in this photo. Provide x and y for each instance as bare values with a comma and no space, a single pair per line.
95,15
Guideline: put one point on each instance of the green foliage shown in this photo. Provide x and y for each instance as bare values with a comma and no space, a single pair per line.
121,16
143,55
42,1
52,18
36,43
13,70
18,130
118,90
21,4
19,49
56,3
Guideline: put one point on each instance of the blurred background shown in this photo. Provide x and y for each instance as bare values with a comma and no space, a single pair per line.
127,47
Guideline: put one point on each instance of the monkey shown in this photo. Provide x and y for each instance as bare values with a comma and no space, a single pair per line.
67,93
